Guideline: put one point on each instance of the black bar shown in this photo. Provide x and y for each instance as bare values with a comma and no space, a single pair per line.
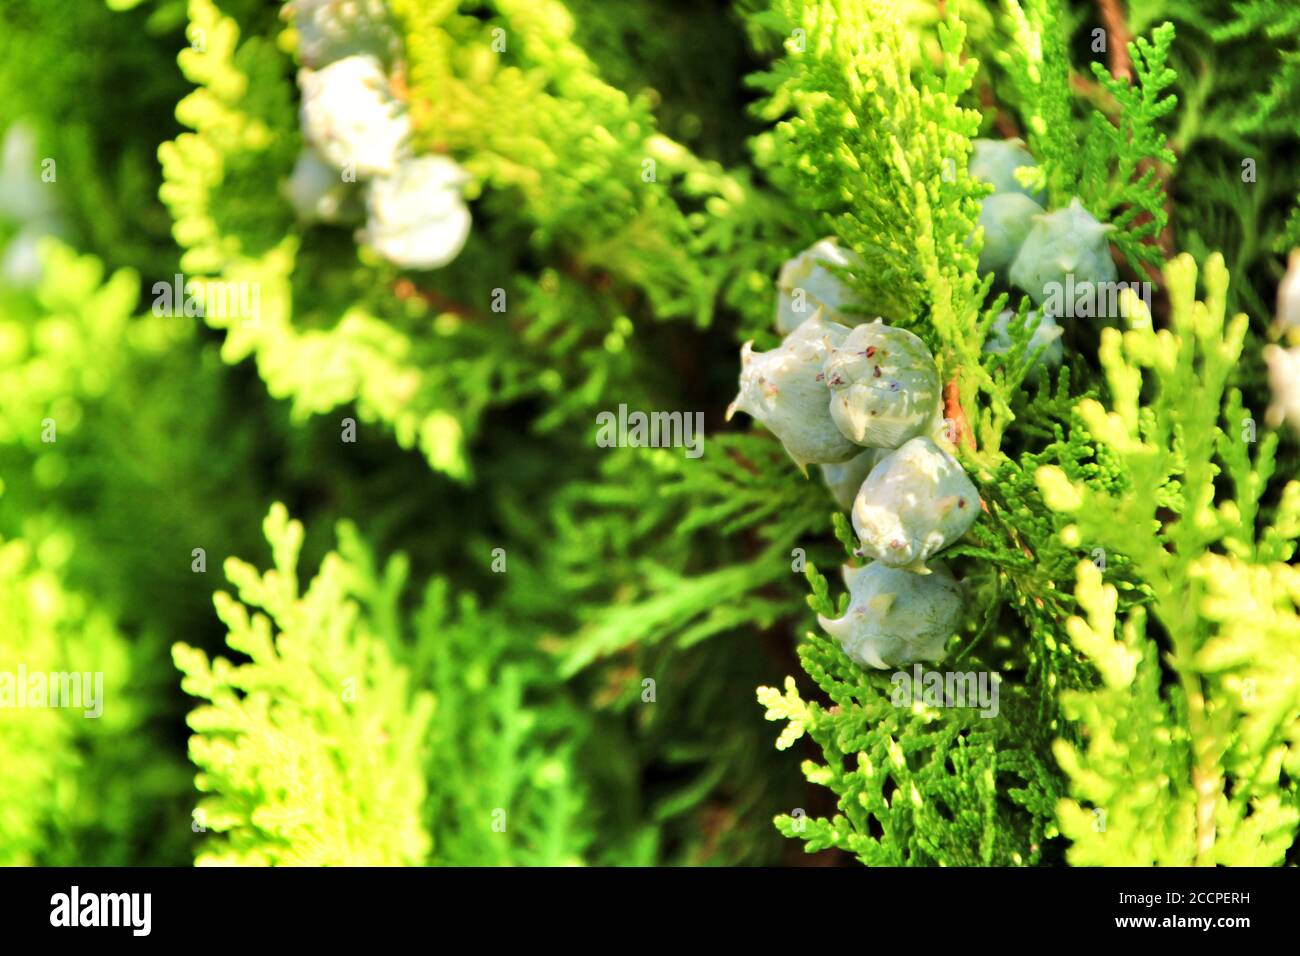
439,906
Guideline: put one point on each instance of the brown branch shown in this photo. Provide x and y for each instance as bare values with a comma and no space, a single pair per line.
406,289
960,430
1118,38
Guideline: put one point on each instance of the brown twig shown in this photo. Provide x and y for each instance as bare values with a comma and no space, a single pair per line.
952,410
406,289
1118,38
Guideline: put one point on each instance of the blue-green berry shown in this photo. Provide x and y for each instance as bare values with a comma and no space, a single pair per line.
1287,321
1284,381
1007,219
330,30
995,161
351,117
895,617
785,390
884,385
23,196
806,284
317,192
20,260
417,217
26,202
915,503
1065,249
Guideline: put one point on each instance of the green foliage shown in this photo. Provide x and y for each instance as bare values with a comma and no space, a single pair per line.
222,186
1237,90
81,784
1270,111
62,344
884,161
735,490
1117,173
311,752
509,785
585,194
916,785
326,338
1122,162
942,794
1038,65
221,180
76,72
1290,236
1205,756
90,428
1024,552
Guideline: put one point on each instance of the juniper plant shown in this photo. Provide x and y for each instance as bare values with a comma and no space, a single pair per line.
520,645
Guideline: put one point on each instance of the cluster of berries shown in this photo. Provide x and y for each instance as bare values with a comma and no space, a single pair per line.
865,403
355,126
1046,255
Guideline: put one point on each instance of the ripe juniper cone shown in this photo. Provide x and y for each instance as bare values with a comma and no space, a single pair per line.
784,389
915,503
416,217
805,284
884,385
895,617
350,116
995,161
1006,219
1062,243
